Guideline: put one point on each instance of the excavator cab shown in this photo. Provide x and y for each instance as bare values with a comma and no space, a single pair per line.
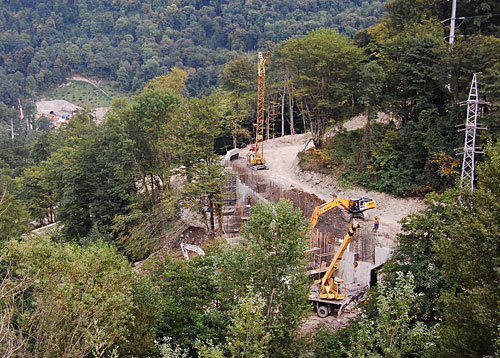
359,205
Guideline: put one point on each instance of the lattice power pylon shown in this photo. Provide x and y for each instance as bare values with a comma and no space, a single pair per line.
469,150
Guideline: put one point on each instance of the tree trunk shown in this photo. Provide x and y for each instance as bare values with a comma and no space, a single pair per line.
283,112
290,104
212,218
219,220
366,138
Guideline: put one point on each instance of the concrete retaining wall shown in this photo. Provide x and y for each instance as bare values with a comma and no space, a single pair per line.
253,186
256,186
382,254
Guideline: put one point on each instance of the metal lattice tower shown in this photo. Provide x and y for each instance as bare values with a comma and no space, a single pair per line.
469,150
261,90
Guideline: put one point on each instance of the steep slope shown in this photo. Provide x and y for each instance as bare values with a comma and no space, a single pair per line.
281,155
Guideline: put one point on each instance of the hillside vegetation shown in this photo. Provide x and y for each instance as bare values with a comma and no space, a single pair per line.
130,42
120,187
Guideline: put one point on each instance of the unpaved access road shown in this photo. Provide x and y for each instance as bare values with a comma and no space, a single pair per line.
281,158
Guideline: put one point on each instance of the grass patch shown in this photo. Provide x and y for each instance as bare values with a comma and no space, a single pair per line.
84,94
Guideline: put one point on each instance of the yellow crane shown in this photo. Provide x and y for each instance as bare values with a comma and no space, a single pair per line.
330,287
256,158
328,292
356,206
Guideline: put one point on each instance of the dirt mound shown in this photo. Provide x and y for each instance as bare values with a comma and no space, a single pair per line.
58,106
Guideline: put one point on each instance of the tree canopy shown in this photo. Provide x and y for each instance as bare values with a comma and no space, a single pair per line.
131,42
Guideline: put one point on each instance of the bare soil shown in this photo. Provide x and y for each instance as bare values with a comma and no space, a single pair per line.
282,161
313,323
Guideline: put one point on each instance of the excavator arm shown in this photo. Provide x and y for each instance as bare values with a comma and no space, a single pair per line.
323,208
353,206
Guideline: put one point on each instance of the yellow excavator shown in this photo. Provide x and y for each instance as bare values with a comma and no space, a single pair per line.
329,291
354,207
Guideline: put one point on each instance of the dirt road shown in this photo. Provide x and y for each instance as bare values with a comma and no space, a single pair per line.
281,156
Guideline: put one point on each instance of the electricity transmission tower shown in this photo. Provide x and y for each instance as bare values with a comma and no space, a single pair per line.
469,150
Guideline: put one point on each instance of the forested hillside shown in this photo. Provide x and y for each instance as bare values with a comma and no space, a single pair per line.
409,71
130,42
117,190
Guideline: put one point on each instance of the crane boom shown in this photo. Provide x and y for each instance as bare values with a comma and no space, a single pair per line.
330,292
334,264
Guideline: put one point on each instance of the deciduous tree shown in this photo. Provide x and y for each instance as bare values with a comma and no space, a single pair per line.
72,296
270,261
324,67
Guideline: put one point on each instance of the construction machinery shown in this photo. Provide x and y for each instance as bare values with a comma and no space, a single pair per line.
354,207
256,155
329,292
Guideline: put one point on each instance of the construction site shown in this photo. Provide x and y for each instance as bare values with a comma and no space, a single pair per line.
283,179
352,231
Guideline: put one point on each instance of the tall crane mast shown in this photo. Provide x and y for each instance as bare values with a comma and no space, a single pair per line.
256,158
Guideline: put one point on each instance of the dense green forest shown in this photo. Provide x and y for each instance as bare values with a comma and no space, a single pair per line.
116,188
131,42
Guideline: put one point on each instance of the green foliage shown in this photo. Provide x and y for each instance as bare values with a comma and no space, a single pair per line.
208,304
175,80
333,344
324,67
141,329
36,196
193,304
238,79
391,329
451,249
416,72
84,94
412,160
128,43
208,350
89,175
315,160
145,124
193,143
248,337
412,74
417,254
14,219
70,299
270,261
477,15
138,231
470,257
169,350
